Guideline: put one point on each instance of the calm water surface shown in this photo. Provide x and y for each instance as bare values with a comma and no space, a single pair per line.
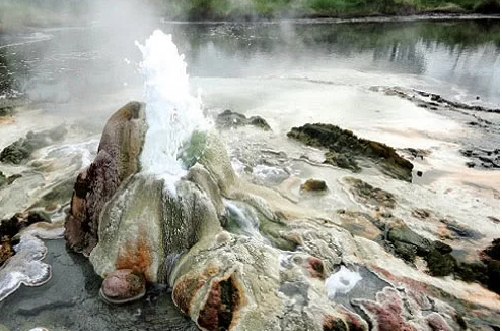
60,66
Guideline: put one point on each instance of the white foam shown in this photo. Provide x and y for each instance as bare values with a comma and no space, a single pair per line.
342,281
172,113
246,218
265,172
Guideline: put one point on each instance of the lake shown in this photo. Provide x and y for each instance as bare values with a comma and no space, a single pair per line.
457,57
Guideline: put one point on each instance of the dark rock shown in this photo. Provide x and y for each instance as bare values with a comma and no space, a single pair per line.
407,244
419,173
493,274
12,178
491,258
482,158
493,251
421,213
406,251
117,159
402,233
37,216
259,122
471,272
441,247
229,119
460,321
10,227
15,153
20,150
486,271
461,231
370,195
440,264
6,111
494,219
314,185
6,249
344,148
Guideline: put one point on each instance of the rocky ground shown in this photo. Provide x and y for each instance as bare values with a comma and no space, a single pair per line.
323,238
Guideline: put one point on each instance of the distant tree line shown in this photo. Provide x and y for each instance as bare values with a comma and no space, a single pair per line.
50,12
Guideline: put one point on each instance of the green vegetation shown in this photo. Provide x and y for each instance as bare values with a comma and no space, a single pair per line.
251,9
18,13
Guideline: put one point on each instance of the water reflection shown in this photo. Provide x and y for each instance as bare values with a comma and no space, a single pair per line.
77,62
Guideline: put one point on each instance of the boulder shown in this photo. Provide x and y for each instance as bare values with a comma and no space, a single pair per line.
345,149
314,185
116,160
369,195
122,286
236,283
229,119
19,151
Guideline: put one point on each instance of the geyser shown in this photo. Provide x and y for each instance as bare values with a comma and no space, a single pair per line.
172,112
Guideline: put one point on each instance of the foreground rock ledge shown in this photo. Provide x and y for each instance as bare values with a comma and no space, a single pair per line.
132,228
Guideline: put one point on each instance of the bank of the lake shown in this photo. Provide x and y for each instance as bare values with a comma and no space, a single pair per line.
227,10
19,14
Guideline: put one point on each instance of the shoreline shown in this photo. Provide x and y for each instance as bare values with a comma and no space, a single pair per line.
305,19
425,15
343,20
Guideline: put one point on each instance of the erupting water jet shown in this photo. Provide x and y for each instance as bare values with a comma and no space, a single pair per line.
172,113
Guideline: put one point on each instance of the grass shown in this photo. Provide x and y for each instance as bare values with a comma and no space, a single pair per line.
18,13
228,9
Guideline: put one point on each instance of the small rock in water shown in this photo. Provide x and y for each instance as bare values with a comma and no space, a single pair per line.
123,285
230,119
314,185
21,150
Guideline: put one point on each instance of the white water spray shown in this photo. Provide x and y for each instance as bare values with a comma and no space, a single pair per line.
172,113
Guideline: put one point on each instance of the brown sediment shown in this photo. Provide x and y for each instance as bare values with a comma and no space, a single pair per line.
222,304
316,268
6,249
184,292
135,255
332,323
185,289
6,119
